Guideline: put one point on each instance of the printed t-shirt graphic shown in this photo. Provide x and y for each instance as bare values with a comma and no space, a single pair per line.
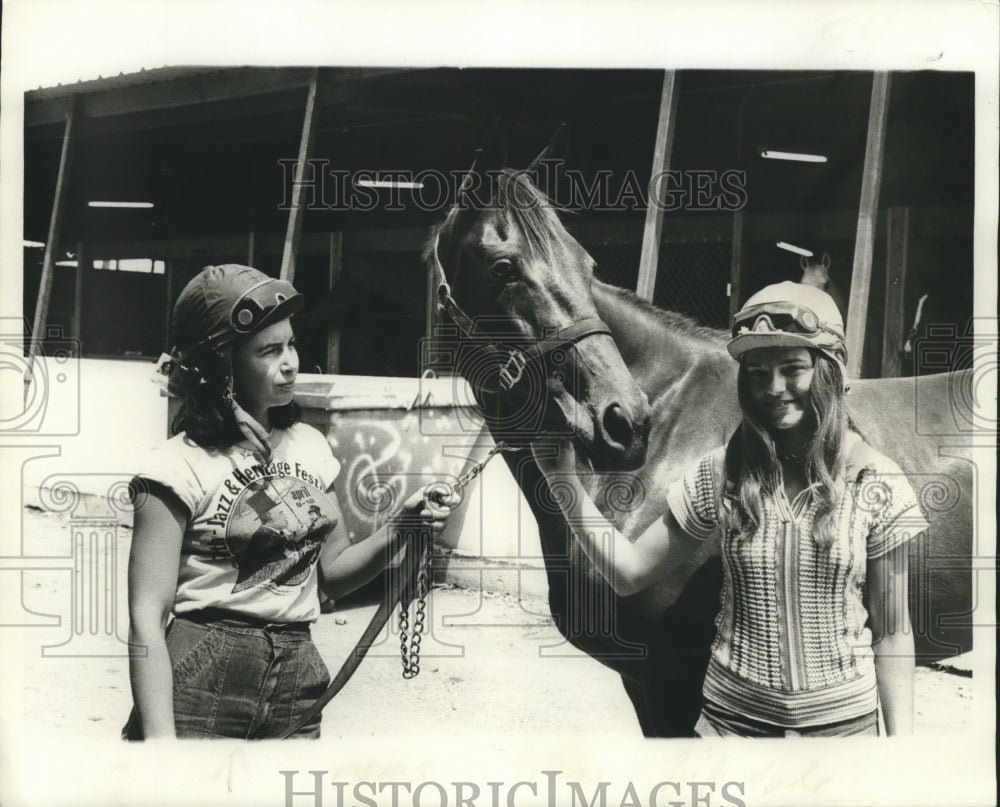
255,531
275,530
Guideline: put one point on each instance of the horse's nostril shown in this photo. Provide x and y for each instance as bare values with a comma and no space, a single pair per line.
617,426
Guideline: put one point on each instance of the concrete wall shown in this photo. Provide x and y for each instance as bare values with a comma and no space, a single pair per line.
392,435
98,418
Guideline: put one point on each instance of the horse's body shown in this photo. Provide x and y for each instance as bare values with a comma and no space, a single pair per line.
659,639
691,383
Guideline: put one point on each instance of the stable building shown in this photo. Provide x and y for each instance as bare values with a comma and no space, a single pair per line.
332,176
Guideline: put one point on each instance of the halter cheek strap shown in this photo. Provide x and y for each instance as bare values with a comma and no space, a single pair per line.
513,359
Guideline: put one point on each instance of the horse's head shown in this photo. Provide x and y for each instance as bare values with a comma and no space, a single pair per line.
816,273
518,286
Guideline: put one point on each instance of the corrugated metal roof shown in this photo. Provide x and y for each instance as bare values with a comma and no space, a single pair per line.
101,83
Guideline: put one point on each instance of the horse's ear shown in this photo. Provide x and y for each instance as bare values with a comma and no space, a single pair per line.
556,149
804,262
537,171
826,260
490,158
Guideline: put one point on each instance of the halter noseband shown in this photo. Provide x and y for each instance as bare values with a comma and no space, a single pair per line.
514,362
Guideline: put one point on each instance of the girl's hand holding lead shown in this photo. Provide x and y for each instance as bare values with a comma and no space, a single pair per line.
432,504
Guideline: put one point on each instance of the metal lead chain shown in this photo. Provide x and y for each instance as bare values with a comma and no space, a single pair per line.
464,480
409,644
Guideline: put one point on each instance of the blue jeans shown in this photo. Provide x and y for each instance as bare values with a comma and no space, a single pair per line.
717,721
235,679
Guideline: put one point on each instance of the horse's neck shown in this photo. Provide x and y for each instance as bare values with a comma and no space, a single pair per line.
690,380
656,353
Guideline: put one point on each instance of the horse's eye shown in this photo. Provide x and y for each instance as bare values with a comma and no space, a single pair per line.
503,271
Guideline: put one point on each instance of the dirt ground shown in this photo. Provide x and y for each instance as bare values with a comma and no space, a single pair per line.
491,663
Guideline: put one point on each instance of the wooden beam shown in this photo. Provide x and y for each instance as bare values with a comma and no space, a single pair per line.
81,265
652,232
169,279
252,223
55,236
736,264
296,214
894,327
187,93
196,89
430,300
871,181
333,334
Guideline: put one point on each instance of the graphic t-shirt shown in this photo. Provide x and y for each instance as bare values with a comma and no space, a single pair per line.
255,531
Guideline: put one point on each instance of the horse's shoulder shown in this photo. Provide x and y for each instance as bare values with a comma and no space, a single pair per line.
862,456
659,475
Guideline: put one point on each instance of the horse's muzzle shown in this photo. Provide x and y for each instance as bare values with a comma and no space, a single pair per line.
621,436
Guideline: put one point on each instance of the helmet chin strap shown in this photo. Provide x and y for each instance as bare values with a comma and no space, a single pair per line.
251,429
255,434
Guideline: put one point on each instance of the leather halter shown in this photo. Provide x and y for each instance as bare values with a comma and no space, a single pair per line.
511,359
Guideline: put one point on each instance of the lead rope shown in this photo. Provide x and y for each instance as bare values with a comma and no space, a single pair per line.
407,575
409,643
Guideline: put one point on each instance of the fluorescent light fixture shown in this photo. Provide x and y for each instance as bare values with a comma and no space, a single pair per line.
793,248
385,183
143,205
145,265
791,155
34,245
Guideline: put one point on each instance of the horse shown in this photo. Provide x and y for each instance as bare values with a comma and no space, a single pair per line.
817,274
644,393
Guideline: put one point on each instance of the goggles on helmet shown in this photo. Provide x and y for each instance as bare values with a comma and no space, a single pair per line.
257,304
786,317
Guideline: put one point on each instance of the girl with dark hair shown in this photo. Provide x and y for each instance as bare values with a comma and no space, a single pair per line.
237,527
813,633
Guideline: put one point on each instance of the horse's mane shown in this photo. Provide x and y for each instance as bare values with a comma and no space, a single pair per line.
530,209
524,204
536,215
667,320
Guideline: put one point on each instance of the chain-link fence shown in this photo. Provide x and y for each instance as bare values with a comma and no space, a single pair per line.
617,264
691,278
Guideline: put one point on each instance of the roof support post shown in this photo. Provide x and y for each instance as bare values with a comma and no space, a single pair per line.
336,267
653,229
736,265
871,181
82,259
894,328
54,238
295,214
